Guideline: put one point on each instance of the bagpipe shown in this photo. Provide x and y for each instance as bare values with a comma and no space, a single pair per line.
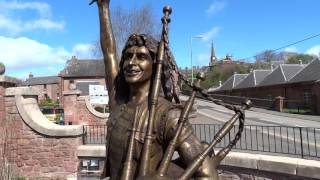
161,173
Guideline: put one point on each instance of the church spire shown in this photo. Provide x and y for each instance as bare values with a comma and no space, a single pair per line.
213,58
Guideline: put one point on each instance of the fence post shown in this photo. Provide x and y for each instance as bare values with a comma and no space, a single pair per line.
278,103
83,134
301,145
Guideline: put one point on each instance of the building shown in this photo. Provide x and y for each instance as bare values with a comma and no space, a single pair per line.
213,57
297,84
79,74
48,87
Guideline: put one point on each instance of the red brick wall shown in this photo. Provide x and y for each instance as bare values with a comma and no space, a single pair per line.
77,113
86,116
51,90
35,155
316,93
70,109
2,114
292,92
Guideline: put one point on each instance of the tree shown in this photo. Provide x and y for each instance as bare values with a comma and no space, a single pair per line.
305,58
265,56
125,22
222,73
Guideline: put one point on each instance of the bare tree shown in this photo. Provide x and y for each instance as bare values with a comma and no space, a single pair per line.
265,56
125,22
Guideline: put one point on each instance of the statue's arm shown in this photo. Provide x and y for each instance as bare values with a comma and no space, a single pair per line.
189,147
108,47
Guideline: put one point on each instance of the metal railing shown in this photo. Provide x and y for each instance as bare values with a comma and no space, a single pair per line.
298,141
94,134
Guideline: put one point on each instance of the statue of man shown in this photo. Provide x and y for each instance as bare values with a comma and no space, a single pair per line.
129,86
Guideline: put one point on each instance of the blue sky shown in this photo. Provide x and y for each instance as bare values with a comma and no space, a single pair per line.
40,36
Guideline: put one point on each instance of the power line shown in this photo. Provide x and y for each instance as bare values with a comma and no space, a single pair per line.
288,45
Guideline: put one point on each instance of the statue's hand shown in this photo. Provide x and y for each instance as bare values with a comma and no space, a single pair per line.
100,2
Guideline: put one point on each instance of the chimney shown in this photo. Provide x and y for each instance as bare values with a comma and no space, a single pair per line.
73,60
30,75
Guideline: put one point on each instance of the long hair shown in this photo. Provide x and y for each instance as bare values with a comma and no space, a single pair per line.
167,82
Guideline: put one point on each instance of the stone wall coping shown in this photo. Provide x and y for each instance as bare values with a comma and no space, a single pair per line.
9,79
28,108
279,164
262,162
91,151
26,91
92,110
71,92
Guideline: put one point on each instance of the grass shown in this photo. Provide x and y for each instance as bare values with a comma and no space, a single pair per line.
297,110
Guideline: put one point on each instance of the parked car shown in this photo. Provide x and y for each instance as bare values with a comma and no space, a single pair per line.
53,114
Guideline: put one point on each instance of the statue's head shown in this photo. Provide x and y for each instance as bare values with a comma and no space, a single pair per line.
137,65
138,58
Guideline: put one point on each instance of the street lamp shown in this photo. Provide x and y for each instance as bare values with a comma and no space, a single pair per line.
193,37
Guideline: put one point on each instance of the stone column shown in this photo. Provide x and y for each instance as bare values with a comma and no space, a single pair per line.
70,106
5,82
279,103
2,113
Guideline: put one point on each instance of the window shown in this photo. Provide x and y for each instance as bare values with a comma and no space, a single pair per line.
306,96
45,86
90,165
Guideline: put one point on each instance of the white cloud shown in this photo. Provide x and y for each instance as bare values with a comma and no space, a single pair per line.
23,55
83,51
23,52
42,8
210,34
215,7
291,49
315,50
44,24
13,21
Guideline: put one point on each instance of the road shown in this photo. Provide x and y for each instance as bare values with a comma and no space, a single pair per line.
219,114
263,131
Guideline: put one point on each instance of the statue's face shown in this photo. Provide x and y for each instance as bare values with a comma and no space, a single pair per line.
137,66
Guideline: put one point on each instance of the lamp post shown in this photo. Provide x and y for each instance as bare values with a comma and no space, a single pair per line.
191,38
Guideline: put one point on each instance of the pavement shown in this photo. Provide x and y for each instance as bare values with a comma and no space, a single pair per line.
300,116
254,116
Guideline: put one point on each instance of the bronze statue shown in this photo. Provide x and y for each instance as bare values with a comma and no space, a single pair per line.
145,128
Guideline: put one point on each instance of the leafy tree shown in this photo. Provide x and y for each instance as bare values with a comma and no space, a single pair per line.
48,103
140,20
305,58
222,73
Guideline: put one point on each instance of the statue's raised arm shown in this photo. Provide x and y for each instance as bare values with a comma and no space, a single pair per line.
108,47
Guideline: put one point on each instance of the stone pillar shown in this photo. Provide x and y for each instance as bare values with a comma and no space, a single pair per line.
278,106
2,112
70,106
7,136
38,149
5,82
316,98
